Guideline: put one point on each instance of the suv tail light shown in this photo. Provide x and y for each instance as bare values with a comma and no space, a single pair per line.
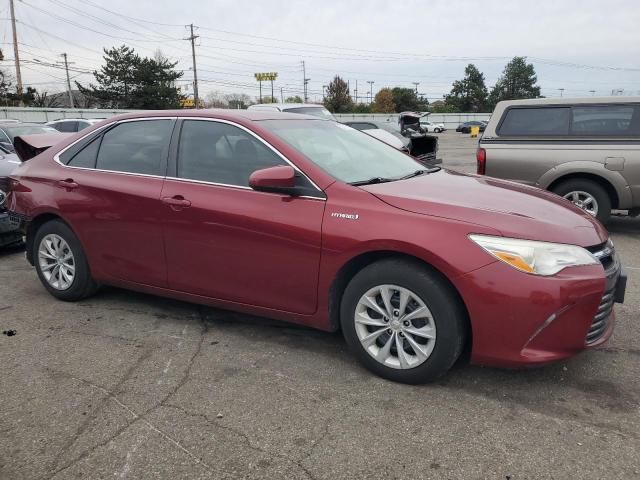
481,159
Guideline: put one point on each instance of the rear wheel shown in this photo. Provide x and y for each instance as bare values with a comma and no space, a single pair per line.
587,195
437,130
61,263
403,321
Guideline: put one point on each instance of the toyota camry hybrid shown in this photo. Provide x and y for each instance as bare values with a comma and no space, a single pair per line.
309,221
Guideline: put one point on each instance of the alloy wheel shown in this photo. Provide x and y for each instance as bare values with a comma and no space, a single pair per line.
56,262
583,200
395,326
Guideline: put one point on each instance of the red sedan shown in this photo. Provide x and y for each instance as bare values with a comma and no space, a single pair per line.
312,222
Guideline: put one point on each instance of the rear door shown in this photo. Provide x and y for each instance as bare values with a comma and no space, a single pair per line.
227,241
110,192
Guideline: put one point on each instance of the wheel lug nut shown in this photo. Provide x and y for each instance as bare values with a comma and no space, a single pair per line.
406,323
401,334
396,313
389,331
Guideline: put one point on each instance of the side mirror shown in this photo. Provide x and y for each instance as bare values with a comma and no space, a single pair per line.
280,179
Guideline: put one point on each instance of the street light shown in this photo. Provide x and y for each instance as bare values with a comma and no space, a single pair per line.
561,91
370,82
416,84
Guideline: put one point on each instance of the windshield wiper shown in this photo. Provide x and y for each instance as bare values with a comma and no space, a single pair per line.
371,181
417,173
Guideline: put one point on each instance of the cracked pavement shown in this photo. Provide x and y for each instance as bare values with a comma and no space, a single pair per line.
125,385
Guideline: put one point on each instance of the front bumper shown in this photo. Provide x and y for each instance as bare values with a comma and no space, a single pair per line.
524,320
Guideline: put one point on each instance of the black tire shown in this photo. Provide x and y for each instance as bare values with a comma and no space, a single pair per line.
83,284
592,188
436,130
449,316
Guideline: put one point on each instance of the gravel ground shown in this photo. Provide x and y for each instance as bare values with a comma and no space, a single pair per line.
125,385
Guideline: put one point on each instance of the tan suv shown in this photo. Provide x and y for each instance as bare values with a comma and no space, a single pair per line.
584,149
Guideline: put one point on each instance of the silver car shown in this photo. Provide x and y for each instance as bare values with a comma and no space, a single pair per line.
584,149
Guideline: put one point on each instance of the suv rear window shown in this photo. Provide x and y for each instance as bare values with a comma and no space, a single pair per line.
609,120
542,121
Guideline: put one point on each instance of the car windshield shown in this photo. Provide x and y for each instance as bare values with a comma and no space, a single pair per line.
343,152
28,130
319,112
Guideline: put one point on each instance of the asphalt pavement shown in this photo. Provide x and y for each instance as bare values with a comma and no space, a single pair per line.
125,385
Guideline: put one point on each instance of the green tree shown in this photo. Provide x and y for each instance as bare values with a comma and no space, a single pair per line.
338,99
470,93
361,108
405,99
518,81
128,81
440,106
295,99
383,102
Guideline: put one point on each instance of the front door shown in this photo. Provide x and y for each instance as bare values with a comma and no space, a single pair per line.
227,241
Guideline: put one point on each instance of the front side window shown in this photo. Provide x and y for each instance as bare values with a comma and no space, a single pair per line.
541,121
136,147
221,153
603,120
343,152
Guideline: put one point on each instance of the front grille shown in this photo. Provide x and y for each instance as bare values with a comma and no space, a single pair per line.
601,318
605,253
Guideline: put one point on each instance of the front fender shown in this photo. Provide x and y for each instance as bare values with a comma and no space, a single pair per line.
614,178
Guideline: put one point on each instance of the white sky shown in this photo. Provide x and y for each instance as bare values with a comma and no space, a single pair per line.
393,43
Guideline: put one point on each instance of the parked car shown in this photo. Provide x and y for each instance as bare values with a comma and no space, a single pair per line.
300,108
9,233
466,126
309,221
586,150
432,127
71,125
396,140
423,147
8,131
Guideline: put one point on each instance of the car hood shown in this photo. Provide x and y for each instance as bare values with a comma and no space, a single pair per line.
515,210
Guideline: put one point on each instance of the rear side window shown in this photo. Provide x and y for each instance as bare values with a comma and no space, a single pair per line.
544,121
136,147
221,153
86,158
607,120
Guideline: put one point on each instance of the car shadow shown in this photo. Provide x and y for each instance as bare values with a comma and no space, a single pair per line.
11,250
624,224
548,390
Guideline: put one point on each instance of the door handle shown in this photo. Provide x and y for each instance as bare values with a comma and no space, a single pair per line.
176,201
68,183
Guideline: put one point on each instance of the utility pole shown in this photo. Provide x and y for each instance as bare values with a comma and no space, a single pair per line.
66,67
281,95
355,92
195,71
370,82
16,54
305,80
416,84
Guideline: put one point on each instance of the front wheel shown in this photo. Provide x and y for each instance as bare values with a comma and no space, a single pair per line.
587,195
436,130
61,263
403,321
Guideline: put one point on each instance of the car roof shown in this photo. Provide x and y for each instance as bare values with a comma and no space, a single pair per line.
240,116
571,100
22,124
287,105
57,120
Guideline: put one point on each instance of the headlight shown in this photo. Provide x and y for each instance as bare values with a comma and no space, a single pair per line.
539,258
